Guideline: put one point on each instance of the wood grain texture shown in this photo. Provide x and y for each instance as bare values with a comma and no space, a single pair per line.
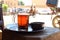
53,37
0,35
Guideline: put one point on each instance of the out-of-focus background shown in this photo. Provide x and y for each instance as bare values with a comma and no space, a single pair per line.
43,10
13,7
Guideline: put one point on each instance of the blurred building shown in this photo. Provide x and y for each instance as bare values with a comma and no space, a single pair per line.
11,3
15,3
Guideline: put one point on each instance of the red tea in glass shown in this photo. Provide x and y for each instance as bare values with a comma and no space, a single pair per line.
23,20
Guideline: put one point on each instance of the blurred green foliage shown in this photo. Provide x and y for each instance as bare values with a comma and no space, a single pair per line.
5,7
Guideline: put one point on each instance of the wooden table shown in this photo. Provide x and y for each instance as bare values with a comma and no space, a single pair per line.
0,34
47,34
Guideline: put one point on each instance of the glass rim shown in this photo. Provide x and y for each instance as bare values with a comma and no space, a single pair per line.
23,14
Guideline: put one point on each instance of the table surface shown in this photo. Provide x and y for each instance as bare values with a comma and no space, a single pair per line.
36,35
46,32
